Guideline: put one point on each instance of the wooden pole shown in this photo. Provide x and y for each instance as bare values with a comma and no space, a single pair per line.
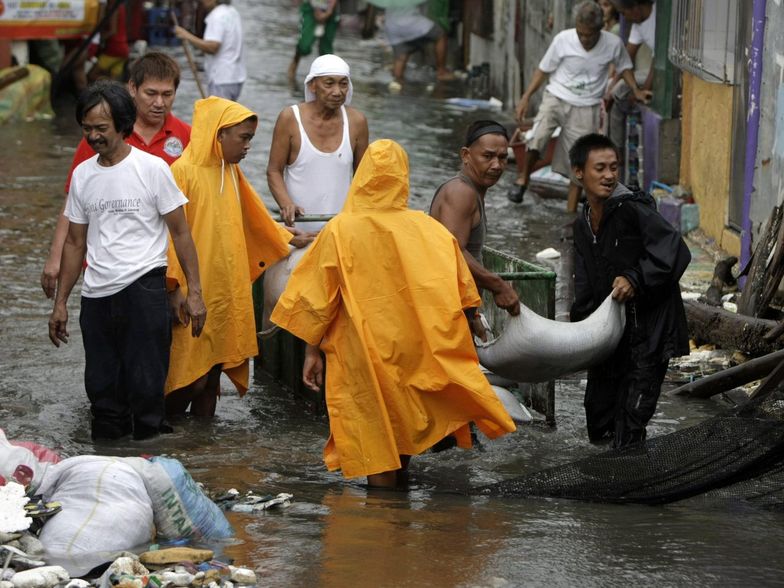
188,56
730,378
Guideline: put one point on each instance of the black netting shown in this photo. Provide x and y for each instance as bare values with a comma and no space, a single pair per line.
739,454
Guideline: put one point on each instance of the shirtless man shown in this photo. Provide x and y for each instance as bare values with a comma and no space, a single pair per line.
459,205
317,145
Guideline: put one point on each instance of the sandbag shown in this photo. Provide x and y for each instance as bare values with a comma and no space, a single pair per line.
535,349
275,280
517,412
181,510
106,509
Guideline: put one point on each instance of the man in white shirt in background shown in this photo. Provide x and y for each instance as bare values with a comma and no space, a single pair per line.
407,31
122,205
642,15
577,64
223,45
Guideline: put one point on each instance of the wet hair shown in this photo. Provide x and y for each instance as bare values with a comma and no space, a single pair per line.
116,97
589,13
155,65
578,154
483,127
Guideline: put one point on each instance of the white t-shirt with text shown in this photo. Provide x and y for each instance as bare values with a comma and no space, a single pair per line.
123,206
227,66
644,33
579,77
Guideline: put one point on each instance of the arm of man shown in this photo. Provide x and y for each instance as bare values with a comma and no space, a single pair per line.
537,80
313,368
74,249
211,47
52,264
195,311
359,128
664,258
456,212
642,95
280,152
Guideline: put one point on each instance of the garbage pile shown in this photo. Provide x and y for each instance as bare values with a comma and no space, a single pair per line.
65,518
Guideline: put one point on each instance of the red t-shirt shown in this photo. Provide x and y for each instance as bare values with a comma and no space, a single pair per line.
168,144
117,44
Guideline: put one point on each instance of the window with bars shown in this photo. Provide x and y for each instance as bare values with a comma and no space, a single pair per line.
704,38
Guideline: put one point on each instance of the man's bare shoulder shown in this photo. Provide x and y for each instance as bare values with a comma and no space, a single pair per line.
355,117
456,196
457,192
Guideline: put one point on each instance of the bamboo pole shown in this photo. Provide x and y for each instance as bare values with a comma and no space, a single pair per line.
188,55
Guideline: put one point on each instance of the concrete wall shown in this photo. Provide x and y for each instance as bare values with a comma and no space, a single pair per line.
769,164
706,146
500,52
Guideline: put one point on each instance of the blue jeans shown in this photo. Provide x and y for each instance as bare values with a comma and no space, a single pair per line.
127,340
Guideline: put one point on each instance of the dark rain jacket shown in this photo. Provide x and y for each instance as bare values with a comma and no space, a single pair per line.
636,242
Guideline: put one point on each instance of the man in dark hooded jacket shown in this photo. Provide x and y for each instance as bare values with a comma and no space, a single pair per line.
625,247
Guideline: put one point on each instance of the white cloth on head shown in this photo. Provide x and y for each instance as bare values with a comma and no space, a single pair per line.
328,65
577,76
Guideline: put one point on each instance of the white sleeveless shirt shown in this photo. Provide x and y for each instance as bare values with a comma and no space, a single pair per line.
318,181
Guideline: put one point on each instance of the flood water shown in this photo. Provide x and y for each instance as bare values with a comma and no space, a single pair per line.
336,533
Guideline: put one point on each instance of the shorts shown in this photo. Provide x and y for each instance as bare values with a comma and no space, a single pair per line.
308,27
409,47
575,121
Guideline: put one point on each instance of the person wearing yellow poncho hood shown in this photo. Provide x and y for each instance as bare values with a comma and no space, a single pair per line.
382,291
236,240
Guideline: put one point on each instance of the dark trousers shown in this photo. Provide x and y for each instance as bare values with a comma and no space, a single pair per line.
127,340
621,394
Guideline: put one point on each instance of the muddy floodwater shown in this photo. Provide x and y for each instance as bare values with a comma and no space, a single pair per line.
336,533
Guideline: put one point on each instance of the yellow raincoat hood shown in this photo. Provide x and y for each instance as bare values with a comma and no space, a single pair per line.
236,240
382,290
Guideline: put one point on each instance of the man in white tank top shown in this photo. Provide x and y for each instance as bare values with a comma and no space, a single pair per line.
317,145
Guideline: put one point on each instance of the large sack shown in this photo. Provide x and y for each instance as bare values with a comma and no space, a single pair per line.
106,509
181,510
535,349
275,280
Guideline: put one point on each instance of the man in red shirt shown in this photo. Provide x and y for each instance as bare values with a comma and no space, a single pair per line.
153,84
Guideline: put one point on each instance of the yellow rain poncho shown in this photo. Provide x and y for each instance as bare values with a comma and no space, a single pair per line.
382,290
236,240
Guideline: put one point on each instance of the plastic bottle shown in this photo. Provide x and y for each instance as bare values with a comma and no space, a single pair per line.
474,103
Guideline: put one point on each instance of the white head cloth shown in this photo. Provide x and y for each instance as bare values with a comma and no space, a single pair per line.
328,65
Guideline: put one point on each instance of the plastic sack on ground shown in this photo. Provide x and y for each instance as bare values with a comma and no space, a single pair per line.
275,280
181,509
13,454
535,349
106,509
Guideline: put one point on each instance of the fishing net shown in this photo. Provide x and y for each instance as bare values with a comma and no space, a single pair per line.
736,455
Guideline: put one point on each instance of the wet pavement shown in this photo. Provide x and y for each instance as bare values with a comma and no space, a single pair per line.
336,533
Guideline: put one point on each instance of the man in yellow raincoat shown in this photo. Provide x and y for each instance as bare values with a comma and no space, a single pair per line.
382,292
236,240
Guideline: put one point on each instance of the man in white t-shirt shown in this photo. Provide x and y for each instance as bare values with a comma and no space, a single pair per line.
120,204
577,64
223,44
642,15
